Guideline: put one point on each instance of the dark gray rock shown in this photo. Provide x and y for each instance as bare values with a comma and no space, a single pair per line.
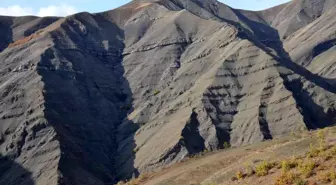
95,98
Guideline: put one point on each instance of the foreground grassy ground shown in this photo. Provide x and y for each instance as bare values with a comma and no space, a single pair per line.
306,158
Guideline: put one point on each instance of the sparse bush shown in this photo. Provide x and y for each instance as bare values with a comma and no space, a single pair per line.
306,169
330,154
333,150
136,181
327,155
289,178
239,175
263,168
327,177
300,181
156,92
322,139
285,166
226,145
293,133
313,152
135,150
321,134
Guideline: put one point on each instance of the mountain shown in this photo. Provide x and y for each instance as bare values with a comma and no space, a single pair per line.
96,98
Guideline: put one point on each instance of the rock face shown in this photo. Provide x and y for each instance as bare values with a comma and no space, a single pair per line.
95,98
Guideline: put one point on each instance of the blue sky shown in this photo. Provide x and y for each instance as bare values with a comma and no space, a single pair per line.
67,7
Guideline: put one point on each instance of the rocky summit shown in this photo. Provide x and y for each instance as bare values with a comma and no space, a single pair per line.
91,99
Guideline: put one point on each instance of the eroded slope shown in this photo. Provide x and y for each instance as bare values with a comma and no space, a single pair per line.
94,98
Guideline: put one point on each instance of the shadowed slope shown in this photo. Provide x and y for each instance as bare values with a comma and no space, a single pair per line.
103,97
12,173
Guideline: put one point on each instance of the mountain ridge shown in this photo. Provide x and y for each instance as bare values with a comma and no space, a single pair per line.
96,98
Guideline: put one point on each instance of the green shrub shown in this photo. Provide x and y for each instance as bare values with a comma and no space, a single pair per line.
226,145
156,92
289,178
286,165
135,150
306,169
239,175
263,168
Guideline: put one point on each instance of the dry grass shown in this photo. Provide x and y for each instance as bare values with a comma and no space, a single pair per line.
25,39
289,178
297,170
327,177
251,165
287,165
140,180
263,168
313,152
239,175
307,168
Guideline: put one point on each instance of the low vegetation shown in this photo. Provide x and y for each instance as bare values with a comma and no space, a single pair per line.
140,180
156,92
316,167
263,168
25,39
226,145
239,175
327,177
289,178
307,168
287,165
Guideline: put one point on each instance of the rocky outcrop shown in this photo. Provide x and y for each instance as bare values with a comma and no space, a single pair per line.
95,98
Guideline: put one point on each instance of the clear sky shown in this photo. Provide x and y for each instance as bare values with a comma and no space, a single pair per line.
66,7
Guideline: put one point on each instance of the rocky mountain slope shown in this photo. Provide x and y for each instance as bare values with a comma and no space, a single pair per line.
95,98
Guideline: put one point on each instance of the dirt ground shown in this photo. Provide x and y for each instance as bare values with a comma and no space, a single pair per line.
221,166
